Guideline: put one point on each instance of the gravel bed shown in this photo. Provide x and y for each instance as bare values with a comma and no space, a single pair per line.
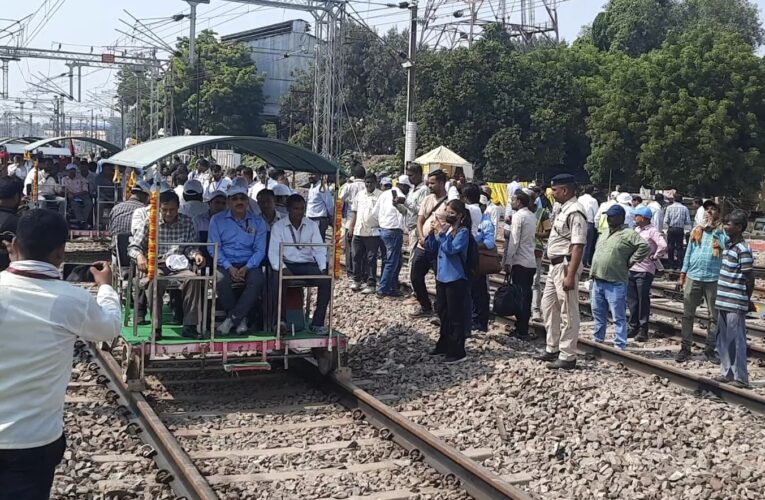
597,432
97,429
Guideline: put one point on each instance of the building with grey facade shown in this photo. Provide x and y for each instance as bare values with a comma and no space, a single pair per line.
280,52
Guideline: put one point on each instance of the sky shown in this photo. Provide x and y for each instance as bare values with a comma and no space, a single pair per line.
78,25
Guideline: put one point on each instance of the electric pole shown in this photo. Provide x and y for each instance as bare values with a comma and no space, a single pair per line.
410,141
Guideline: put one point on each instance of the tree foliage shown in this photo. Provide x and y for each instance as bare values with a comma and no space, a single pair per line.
224,86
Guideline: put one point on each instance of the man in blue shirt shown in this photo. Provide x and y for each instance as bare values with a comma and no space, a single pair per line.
241,236
698,279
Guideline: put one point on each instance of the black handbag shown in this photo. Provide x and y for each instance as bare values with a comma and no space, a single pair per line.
508,299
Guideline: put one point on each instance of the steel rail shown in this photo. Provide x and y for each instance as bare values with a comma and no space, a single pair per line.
186,480
477,481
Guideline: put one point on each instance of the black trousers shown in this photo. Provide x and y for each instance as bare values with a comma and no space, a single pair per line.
675,249
349,254
639,300
323,223
524,278
27,474
589,248
479,291
365,259
450,306
422,263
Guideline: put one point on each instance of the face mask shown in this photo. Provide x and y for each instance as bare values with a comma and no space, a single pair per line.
451,219
282,210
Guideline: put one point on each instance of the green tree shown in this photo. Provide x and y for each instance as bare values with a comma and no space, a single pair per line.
224,90
738,16
133,96
689,115
633,26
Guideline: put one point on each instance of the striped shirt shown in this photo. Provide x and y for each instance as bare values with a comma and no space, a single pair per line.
736,268
677,215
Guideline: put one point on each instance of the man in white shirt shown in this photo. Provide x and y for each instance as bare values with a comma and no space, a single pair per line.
512,187
217,181
519,260
657,209
590,205
202,172
625,200
192,199
320,205
19,168
263,182
492,211
418,191
700,214
301,260
390,213
366,236
40,318
347,194
471,195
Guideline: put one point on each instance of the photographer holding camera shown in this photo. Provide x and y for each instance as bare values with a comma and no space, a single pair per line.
10,198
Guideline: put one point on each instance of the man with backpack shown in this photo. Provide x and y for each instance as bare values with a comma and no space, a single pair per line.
560,300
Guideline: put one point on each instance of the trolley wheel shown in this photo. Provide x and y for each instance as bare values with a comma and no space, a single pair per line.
131,362
326,361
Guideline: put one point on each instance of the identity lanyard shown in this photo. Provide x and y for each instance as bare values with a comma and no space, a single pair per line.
30,274
300,234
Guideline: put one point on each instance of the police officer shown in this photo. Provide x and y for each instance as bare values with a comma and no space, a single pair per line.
560,301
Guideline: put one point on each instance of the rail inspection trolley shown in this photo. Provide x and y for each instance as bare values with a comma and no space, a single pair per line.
278,342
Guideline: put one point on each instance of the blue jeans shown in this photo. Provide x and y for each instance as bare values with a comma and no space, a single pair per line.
606,296
392,239
731,344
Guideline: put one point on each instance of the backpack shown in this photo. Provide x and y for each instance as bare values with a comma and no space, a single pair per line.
471,261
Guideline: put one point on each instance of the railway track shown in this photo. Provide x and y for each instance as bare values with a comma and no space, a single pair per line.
286,436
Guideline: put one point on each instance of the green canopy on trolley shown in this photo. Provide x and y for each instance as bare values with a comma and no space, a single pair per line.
278,154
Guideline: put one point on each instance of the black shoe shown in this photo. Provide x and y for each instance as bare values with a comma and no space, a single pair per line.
712,356
436,352
158,334
547,356
683,356
453,360
562,364
190,332
641,337
632,334
522,336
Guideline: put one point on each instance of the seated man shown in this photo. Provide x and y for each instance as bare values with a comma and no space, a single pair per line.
301,260
216,203
192,204
173,228
47,187
78,197
241,236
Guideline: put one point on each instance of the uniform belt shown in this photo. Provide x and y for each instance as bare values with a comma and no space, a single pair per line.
558,260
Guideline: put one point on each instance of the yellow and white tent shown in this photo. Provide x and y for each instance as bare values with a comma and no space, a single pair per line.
445,159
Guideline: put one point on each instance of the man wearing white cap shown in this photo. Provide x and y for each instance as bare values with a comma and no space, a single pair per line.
625,200
241,236
78,194
216,203
390,212
192,197
281,192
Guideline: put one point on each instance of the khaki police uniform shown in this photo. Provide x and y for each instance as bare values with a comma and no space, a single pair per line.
560,308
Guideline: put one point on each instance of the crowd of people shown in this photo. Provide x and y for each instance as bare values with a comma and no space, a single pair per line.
623,241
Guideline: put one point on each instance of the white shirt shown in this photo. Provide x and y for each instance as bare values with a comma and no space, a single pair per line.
413,203
452,193
475,217
511,189
698,219
364,204
657,215
203,177
590,205
520,251
258,186
348,193
219,185
284,232
493,212
193,208
20,171
390,216
319,202
39,322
